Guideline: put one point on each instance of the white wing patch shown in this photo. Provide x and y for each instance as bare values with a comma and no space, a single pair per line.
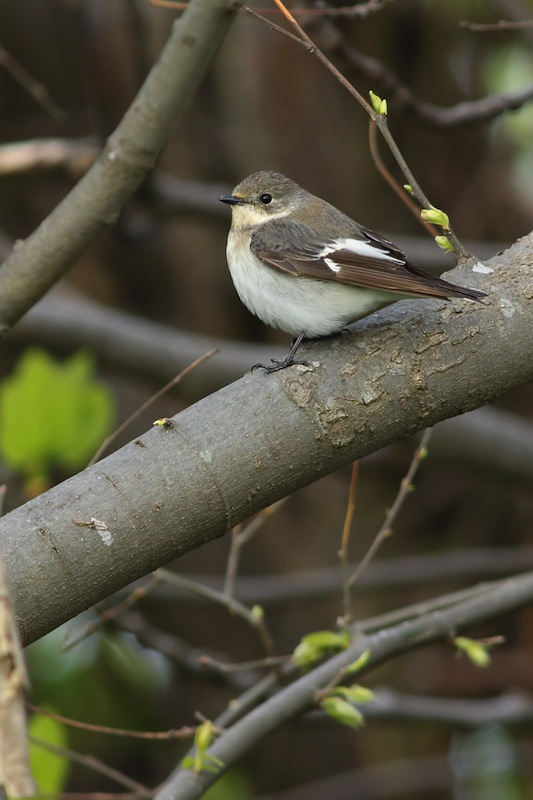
357,246
332,265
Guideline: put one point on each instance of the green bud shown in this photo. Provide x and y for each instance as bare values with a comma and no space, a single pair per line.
408,188
476,652
379,105
354,694
343,712
436,217
444,243
314,645
204,735
258,613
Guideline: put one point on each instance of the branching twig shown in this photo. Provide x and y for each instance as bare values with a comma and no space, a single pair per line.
406,487
251,616
240,536
379,119
469,112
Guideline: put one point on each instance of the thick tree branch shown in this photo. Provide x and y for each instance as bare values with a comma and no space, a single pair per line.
130,152
263,437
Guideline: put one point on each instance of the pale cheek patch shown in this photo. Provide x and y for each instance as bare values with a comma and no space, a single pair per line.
358,247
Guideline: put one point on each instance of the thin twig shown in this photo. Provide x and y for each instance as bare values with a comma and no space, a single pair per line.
379,119
501,25
132,598
361,10
251,616
182,733
91,762
240,536
343,552
393,183
241,666
151,400
406,487
34,88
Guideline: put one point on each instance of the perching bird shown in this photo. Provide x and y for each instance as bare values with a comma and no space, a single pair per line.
301,265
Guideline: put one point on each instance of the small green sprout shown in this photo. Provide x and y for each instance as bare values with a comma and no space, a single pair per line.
379,105
315,645
202,761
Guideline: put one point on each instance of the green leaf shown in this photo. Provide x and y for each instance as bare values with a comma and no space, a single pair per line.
52,414
49,770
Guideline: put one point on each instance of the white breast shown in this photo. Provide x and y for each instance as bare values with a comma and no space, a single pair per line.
297,304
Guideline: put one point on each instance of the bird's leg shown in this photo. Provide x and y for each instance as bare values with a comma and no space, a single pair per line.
289,359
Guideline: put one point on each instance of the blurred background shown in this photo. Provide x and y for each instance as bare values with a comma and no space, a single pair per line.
155,289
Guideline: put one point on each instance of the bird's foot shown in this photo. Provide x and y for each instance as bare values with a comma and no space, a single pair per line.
277,364
289,359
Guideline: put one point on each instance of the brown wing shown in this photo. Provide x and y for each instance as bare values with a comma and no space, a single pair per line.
362,259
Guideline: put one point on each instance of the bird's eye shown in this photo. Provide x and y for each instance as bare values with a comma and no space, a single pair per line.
266,199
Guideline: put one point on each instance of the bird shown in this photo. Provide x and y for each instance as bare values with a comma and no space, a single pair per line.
303,266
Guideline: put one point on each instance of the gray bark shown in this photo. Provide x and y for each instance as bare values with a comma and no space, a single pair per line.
263,437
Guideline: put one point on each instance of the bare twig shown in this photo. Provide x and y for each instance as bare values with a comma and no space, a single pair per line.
253,617
380,120
151,400
133,597
182,733
34,88
359,10
240,536
406,487
96,765
260,663
501,25
471,112
343,552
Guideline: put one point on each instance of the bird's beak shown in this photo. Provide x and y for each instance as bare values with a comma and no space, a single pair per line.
231,200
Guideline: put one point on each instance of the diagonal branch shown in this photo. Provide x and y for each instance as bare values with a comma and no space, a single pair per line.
237,741
95,202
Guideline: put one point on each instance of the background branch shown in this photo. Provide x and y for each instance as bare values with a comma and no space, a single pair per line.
36,264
